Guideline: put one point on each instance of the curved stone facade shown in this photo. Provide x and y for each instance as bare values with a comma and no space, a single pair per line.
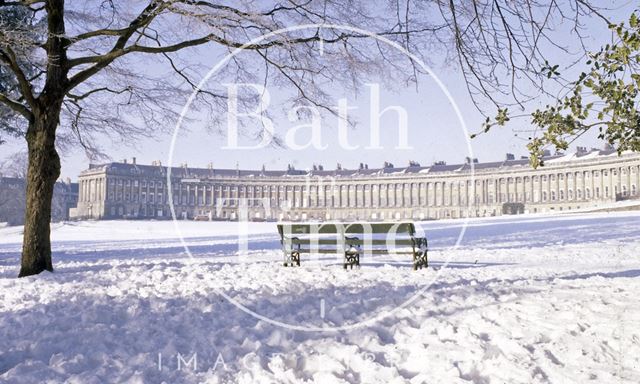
566,182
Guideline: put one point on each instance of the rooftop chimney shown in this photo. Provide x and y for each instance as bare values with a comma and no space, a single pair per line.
133,160
510,156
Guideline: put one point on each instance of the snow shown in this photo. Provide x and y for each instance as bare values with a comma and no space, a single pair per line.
522,299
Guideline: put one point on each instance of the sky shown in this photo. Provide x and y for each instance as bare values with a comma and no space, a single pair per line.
434,128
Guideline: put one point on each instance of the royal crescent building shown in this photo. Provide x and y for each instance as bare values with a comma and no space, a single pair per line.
581,180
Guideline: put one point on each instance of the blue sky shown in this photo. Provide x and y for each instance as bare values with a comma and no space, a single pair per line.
435,132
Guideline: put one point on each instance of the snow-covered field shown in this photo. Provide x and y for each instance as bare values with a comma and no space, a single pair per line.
522,299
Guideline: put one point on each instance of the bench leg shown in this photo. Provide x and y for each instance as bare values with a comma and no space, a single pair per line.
292,259
351,260
420,260
295,258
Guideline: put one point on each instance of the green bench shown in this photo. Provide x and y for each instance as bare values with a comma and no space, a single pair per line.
352,240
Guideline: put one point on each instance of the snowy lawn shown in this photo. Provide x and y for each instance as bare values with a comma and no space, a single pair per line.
522,299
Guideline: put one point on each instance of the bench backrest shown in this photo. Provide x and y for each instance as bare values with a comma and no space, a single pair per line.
293,229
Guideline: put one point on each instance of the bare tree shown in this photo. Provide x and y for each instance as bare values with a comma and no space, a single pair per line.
115,68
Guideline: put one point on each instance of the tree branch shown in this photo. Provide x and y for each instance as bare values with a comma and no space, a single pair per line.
24,3
96,90
8,56
144,18
16,106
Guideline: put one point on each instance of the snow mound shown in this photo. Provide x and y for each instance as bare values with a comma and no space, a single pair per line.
521,300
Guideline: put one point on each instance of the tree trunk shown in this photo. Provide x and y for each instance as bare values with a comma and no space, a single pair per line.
44,162
43,171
